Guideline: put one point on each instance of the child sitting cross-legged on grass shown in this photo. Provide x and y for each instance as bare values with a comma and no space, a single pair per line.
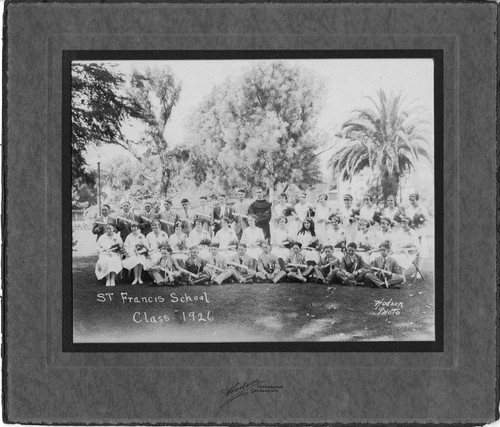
296,267
353,268
385,270
217,267
268,265
165,271
193,272
327,267
242,265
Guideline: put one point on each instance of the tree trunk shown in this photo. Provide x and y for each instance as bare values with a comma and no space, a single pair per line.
390,184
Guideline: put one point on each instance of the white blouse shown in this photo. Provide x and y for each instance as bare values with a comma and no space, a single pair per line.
322,212
364,238
154,242
279,236
251,237
367,212
132,240
334,237
195,237
105,242
177,241
278,210
405,239
380,237
302,210
224,237
305,238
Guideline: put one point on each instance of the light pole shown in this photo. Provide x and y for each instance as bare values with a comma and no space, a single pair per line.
98,188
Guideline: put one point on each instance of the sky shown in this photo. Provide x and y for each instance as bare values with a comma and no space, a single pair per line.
347,84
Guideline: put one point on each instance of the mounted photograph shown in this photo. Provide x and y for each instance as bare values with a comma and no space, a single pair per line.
256,199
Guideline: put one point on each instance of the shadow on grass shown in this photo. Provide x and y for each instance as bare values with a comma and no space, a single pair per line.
250,312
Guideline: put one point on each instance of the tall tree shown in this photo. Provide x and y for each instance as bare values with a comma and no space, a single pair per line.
98,110
156,92
389,139
83,193
259,129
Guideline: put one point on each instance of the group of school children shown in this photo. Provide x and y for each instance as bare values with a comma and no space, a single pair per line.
252,242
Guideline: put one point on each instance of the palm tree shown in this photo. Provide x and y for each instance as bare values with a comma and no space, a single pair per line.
389,139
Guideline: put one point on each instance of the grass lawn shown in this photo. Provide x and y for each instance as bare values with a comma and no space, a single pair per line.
250,312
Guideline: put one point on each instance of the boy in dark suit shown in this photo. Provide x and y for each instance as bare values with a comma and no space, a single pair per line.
125,220
193,271
145,219
204,213
167,218
327,267
221,211
186,216
352,269
385,271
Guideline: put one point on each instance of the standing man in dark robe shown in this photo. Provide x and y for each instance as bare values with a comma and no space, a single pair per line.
261,208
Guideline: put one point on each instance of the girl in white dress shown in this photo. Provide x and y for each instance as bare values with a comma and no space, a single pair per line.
349,214
154,242
135,248
252,236
301,212
307,237
392,211
418,215
278,209
368,209
199,234
364,239
227,239
201,238
405,244
335,236
293,222
323,211
178,242
281,239
109,263
383,235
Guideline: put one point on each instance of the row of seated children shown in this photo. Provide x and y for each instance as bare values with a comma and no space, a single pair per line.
351,270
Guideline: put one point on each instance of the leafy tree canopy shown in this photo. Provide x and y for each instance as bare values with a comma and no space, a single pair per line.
99,108
259,129
83,194
389,138
156,91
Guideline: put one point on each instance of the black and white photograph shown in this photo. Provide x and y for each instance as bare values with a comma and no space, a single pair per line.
229,200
